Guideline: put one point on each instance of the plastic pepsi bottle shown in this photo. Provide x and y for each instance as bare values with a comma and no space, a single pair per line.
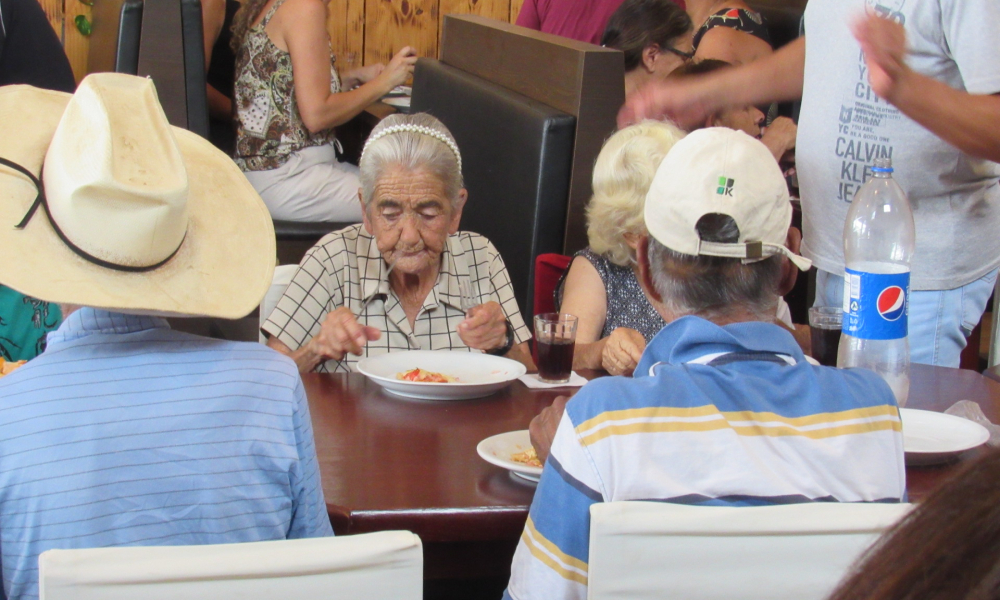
878,245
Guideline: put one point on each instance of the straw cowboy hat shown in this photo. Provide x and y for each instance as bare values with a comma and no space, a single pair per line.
136,216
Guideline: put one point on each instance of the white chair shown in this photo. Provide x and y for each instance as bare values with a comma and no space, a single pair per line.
378,566
282,277
647,550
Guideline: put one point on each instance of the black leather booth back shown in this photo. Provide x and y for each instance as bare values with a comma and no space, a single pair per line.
516,160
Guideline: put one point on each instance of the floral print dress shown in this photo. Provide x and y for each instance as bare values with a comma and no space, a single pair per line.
269,127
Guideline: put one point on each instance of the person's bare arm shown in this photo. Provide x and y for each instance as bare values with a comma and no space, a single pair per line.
339,334
585,298
689,101
732,46
970,122
542,429
213,15
302,30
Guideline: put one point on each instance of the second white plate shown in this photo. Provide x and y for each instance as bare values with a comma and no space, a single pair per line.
932,437
498,449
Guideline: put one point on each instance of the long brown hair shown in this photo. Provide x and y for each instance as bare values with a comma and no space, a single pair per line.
247,14
948,548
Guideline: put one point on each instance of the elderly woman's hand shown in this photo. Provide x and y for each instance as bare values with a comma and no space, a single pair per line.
622,351
341,333
484,327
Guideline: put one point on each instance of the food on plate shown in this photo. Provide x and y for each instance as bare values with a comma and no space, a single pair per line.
528,457
422,376
7,366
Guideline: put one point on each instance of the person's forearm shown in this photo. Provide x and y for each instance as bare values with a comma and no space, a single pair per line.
774,78
588,355
969,122
341,107
219,105
306,358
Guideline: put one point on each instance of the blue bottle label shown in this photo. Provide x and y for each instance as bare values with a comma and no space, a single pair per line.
876,305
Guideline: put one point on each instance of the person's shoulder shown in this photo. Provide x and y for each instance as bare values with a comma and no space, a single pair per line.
612,394
304,9
333,246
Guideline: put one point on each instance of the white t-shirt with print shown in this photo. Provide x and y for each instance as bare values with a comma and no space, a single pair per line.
844,126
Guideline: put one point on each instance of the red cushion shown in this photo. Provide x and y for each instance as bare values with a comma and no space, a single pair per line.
548,269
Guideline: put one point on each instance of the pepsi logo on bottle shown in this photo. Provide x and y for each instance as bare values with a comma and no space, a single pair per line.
892,303
875,305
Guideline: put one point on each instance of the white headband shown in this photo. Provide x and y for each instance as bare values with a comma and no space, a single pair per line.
415,129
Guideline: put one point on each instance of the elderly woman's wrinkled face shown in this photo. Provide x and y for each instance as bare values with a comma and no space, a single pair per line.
411,218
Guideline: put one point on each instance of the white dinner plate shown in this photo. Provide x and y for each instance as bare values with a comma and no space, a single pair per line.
932,437
478,374
397,101
499,448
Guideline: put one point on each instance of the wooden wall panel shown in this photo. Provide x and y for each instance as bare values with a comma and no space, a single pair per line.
392,24
346,25
494,9
515,8
54,11
75,43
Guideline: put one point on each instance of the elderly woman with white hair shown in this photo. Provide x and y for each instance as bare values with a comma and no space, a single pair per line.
616,315
394,282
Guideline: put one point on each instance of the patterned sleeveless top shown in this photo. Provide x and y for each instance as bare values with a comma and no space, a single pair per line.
739,19
627,303
268,125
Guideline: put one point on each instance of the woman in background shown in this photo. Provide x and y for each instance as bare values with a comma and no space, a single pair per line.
289,97
220,66
728,30
655,36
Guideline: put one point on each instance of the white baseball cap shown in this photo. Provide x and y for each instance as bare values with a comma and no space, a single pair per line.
721,171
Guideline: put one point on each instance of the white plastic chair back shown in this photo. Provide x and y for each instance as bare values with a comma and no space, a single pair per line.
647,550
282,277
378,566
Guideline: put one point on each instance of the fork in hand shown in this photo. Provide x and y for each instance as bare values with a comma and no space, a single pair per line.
468,298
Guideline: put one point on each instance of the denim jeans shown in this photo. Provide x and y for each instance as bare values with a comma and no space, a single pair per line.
939,320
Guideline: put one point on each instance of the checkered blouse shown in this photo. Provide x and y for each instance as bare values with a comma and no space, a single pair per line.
346,269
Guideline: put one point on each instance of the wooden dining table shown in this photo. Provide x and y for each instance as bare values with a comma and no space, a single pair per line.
393,463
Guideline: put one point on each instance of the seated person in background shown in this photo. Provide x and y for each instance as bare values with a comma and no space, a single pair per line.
724,409
395,282
289,97
948,547
616,316
24,323
655,36
728,30
601,287
124,432
220,68
779,136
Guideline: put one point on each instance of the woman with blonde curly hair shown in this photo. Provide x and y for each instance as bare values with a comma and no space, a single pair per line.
616,316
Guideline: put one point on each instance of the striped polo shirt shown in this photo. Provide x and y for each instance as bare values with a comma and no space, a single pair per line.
725,416
125,433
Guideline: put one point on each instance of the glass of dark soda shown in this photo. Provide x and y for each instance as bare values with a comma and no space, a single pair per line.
555,338
825,323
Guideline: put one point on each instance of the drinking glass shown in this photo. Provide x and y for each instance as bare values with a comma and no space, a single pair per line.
825,323
555,339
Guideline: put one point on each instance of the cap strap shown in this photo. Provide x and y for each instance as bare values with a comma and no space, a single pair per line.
41,201
752,252
409,127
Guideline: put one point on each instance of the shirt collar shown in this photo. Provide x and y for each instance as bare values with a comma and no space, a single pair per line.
690,338
89,321
374,272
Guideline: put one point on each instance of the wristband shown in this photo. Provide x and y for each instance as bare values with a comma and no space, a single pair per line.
508,343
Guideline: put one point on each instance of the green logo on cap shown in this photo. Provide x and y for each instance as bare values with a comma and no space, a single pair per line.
725,187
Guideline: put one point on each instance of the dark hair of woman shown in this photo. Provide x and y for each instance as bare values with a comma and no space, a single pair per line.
637,24
247,14
700,68
948,548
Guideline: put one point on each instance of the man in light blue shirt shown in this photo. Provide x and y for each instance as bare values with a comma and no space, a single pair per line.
123,432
